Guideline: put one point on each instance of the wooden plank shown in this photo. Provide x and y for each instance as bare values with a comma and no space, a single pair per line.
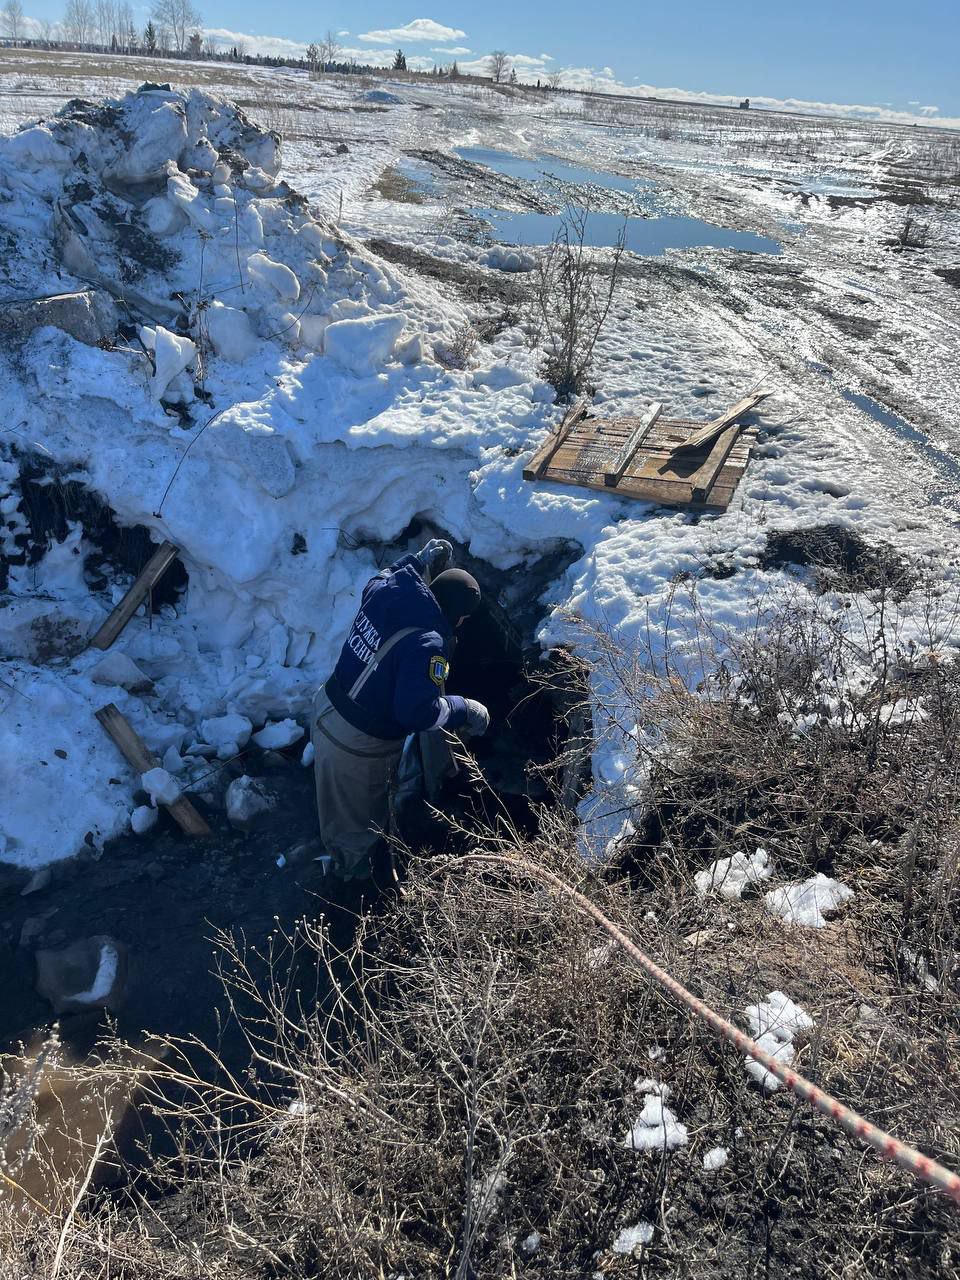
632,444
541,459
153,571
701,482
135,751
711,430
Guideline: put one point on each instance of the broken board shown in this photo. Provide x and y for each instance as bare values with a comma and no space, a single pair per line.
140,758
665,465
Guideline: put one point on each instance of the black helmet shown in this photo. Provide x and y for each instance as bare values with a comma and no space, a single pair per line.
457,594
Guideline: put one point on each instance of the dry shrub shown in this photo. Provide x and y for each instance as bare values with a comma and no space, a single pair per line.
572,292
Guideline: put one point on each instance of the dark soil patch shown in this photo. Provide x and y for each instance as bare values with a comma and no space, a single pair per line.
476,285
950,274
393,185
841,558
51,503
850,326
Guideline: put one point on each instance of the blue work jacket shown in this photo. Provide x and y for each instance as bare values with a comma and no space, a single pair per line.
405,694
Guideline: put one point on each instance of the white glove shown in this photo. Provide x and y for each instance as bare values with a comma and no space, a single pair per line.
478,718
434,558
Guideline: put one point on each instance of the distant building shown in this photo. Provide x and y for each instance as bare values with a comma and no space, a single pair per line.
745,105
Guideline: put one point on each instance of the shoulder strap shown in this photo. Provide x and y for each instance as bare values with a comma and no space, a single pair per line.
378,657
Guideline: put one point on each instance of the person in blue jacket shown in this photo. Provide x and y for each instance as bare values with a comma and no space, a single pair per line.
389,682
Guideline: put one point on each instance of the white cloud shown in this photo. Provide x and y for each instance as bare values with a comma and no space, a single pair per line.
418,29
929,111
271,46
454,50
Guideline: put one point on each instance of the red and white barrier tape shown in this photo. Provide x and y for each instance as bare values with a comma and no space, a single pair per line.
891,1148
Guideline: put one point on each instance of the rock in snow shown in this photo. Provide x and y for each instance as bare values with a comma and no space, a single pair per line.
246,799
807,902
277,736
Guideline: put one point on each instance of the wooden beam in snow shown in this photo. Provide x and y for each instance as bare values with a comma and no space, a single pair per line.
138,755
153,571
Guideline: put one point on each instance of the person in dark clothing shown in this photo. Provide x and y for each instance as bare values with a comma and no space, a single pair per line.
389,682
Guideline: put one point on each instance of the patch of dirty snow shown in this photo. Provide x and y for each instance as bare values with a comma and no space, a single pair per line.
630,1238
807,902
730,876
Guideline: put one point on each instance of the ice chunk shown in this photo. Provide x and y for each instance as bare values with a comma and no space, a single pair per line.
143,818
162,787
631,1238
229,733
231,333
36,146
312,329
362,346
119,669
274,737
806,902
158,131
187,198
171,353
275,276
104,979
308,753
656,1128
715,1159
173,762
246,799
730,876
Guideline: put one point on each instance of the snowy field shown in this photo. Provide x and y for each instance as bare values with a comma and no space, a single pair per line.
322,372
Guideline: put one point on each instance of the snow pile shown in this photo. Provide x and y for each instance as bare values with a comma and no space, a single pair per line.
774,1023
807,902
730,876
656,1128
716,1158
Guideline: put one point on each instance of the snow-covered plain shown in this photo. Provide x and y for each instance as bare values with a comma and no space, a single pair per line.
333,419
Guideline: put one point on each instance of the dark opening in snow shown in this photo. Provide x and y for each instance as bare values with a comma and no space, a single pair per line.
52,500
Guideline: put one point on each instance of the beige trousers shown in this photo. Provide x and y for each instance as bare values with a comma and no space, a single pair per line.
353,774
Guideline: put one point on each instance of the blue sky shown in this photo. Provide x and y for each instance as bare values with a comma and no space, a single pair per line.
878,53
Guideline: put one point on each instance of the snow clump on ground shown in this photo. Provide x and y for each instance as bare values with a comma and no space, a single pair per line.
656,1128
730,876
807,902
774,1024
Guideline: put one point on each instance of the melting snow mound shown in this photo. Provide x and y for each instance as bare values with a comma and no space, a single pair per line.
807,902
656,1128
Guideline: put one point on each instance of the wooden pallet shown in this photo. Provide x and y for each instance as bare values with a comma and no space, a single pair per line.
677,462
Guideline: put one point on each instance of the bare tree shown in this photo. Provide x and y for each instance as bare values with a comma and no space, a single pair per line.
12,17
124,19
555,79
573,292
329,49
78,21
498,64
105,21
47,30
176,19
